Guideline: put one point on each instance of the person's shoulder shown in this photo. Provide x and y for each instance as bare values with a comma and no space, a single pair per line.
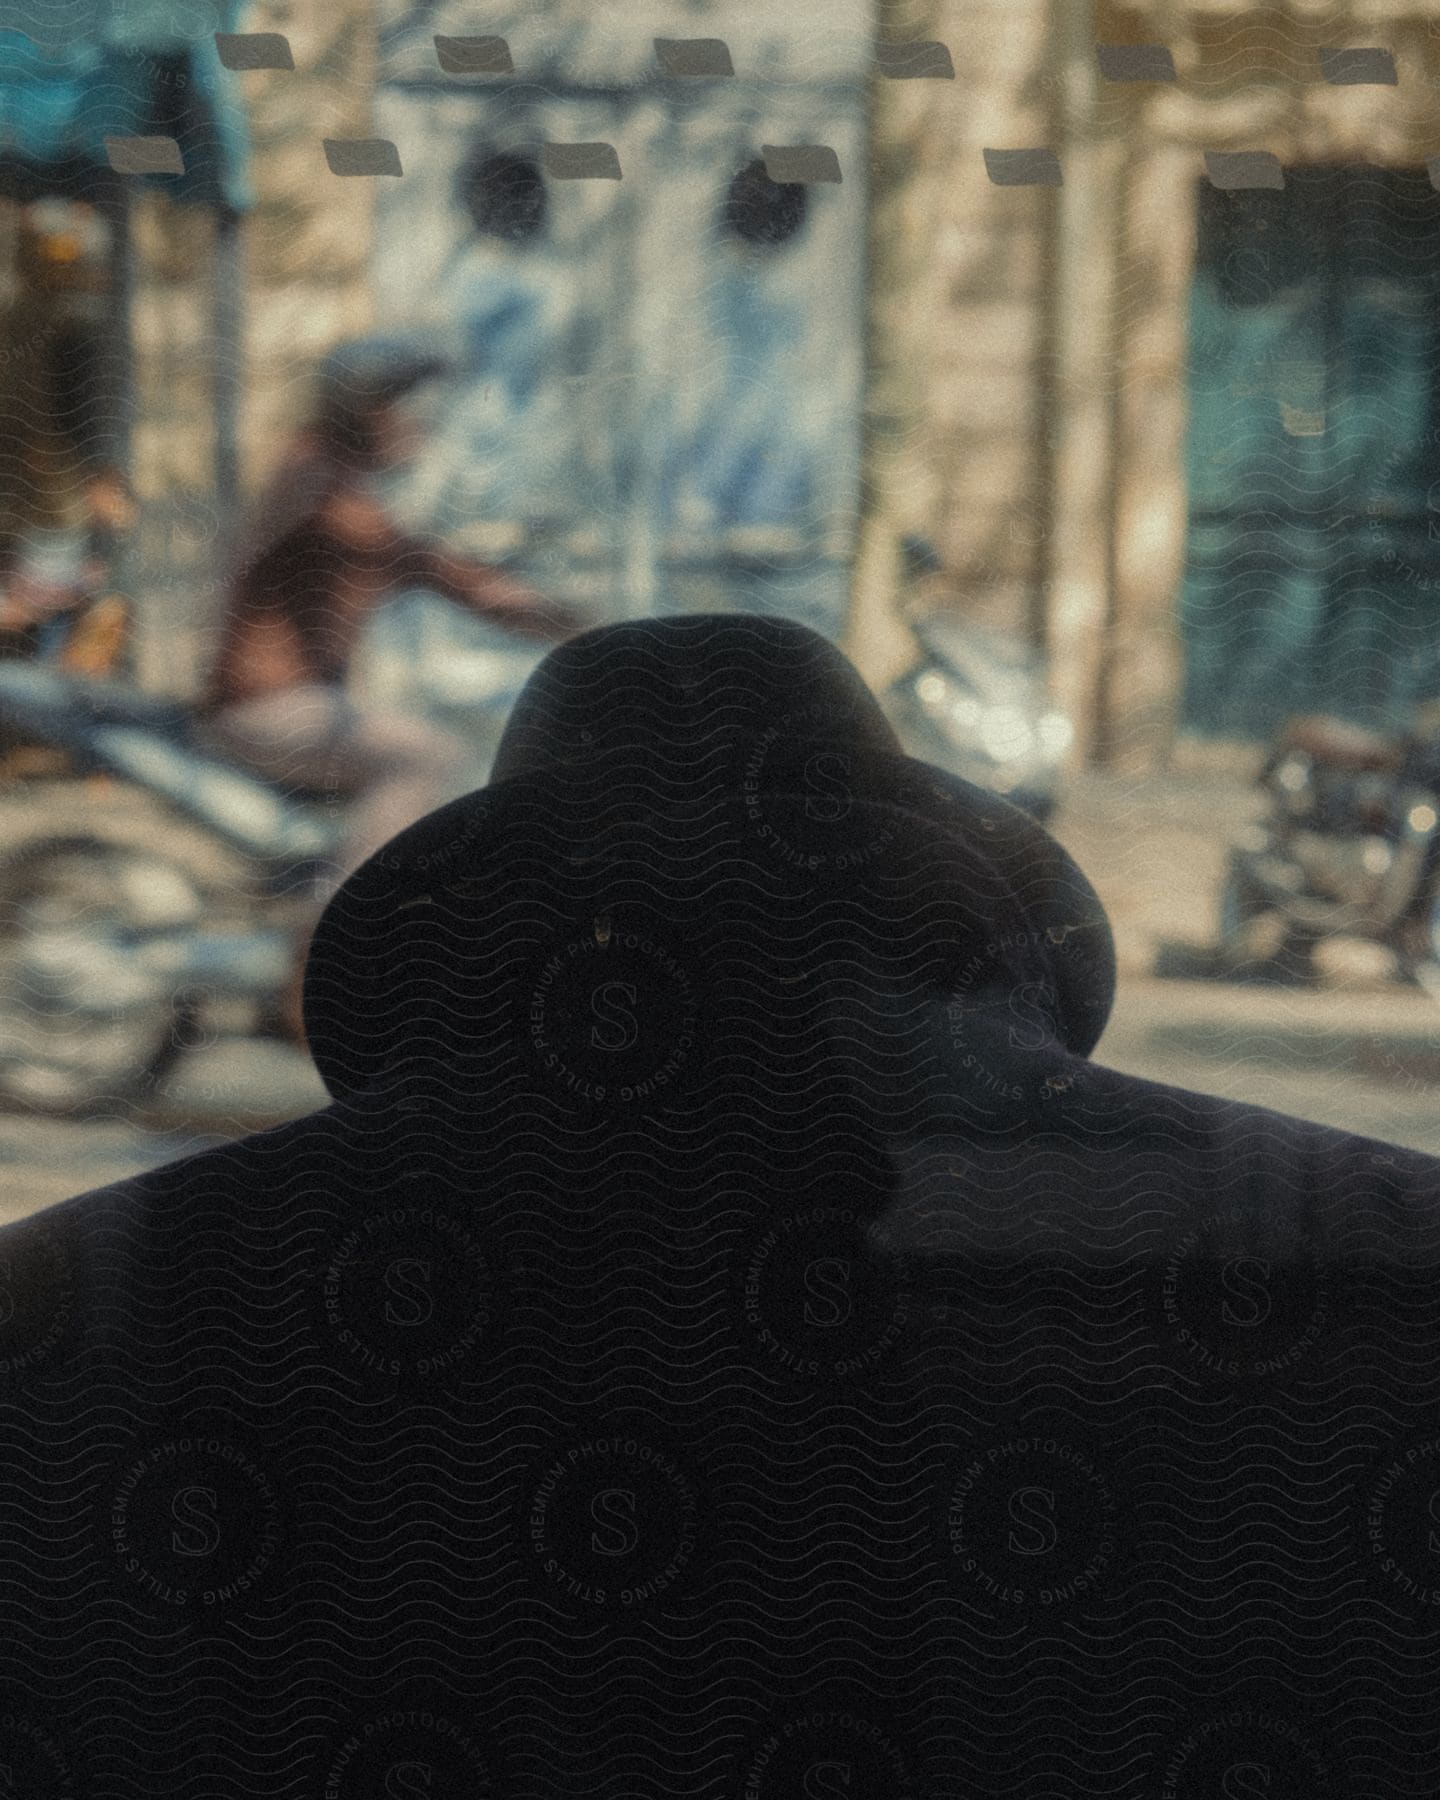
294,490
1356,1198
1108,1166
229,1167
1077,1125
1240,1128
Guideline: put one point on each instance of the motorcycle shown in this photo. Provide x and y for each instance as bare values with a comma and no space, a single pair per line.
1347,843
976,702
116,956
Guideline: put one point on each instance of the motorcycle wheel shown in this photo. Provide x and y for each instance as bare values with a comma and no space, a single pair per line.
1290,956
1419,956
1240,905
1294,960
83,1023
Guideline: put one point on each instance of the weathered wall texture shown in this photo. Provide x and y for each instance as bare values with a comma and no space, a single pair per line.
1028,353
304,277
956,286
655,409
309,237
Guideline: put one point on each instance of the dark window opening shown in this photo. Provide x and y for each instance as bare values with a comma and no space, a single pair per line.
80,380
761,211
504,194
174,104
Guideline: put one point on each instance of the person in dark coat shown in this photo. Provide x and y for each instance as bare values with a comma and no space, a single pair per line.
725,1337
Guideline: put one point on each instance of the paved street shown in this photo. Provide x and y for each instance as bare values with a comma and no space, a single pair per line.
1359,1053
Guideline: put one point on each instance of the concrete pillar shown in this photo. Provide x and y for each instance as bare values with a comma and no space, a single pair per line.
1142,670
309,236
893,436
172,439
1081,473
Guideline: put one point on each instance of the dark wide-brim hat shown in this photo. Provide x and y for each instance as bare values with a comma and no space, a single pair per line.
673,767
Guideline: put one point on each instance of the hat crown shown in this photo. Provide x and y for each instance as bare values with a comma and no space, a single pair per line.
685,694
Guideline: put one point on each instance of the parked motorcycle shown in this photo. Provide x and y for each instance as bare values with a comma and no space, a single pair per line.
1347,844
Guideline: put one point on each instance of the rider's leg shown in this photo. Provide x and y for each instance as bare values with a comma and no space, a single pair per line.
291,738
401,769
394,768
295,739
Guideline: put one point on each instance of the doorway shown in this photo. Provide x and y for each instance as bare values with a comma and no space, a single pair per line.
1312,577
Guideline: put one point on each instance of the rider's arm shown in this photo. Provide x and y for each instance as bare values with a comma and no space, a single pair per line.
407,561
26,602
488,592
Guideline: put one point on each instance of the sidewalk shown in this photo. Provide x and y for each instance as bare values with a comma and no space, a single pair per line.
1155,848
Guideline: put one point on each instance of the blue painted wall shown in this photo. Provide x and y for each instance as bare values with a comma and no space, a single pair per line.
652,413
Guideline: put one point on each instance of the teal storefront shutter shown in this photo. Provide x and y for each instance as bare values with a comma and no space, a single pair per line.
1312,449
1384,641
121,68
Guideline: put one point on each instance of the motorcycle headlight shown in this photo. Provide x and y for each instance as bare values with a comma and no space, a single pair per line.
1005,733
1376,856
1056,734
965,712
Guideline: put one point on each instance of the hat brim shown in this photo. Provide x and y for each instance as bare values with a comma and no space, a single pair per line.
1054,900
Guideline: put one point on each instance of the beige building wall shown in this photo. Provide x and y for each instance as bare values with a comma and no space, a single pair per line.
957,278
172,443
1028,345
309,236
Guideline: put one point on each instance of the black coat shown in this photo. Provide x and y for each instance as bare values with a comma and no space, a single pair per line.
864,1394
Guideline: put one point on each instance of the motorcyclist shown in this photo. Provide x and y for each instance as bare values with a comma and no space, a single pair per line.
322,553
